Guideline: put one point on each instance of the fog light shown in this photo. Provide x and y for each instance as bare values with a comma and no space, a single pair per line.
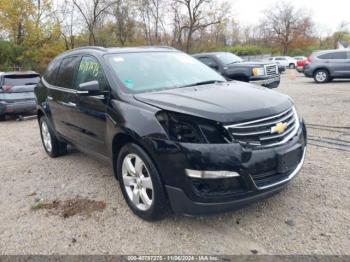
210,174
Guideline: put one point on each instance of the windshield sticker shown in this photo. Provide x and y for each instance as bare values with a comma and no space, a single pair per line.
129,83
118,59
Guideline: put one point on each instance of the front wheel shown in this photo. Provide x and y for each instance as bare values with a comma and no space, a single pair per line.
140,183
321,76
52,145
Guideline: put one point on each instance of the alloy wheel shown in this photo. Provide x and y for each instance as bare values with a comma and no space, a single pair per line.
45,132
321,76
137,182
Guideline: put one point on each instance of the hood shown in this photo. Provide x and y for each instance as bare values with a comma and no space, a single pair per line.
226,102
249,63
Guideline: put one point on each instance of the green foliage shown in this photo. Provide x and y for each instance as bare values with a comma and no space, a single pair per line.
240,50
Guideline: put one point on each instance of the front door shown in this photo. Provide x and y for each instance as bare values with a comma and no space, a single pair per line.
89,114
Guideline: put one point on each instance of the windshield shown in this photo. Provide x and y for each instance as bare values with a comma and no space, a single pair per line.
228,58
155,71
21,80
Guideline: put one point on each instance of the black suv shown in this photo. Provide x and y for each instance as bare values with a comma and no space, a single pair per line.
233,67
176,132
326,65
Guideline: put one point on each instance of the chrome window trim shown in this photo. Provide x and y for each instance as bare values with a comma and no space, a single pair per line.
62,89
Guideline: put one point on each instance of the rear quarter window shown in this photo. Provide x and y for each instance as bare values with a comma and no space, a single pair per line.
66,72
51,72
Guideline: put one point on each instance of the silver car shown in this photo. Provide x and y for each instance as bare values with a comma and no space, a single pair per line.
17,92
324,66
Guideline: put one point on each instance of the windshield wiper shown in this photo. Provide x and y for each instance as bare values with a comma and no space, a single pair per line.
203,83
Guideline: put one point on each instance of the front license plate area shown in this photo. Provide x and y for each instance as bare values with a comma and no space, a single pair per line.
288,160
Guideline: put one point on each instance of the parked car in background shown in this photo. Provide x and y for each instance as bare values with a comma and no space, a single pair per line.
326,65
300,58
233,67
17,92
177,134
286,61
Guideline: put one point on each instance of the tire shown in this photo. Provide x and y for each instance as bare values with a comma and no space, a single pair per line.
321,76
51,144
143,183
2,117
292,66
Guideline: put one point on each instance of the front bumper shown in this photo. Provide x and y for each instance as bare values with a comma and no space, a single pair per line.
259,175
270,82
17,107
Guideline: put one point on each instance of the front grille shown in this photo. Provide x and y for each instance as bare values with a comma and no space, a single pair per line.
263,133
271,70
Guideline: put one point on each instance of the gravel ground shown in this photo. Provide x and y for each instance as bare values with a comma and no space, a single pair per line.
311,216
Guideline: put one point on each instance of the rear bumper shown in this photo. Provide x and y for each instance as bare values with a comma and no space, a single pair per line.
17,107
300,69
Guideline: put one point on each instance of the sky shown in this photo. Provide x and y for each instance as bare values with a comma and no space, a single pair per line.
326,14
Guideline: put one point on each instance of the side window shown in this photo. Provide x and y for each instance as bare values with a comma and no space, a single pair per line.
208,61
339,55
90,70
65,77
334,55
51,72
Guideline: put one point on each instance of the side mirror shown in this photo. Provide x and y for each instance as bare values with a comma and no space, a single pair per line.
89,88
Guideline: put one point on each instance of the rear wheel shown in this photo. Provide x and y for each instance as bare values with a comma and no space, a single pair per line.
140,183
52,145
321,76
292,66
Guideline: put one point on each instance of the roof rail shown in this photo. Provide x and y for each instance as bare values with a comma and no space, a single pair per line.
90,47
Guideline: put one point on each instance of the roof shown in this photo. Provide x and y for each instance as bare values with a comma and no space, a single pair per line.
19,73
123,49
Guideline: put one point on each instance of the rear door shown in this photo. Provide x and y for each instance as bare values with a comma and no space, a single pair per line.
335,62
90,112
61,95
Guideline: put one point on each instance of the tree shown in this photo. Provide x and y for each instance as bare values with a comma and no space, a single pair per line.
284,23
124,22
93,13
195,17
14,18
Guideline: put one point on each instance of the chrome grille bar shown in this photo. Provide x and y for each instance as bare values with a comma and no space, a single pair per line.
262,132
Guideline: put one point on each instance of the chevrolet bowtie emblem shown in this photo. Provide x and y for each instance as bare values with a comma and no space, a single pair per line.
279,128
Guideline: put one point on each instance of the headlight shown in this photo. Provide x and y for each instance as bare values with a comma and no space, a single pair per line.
258,71
189,129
